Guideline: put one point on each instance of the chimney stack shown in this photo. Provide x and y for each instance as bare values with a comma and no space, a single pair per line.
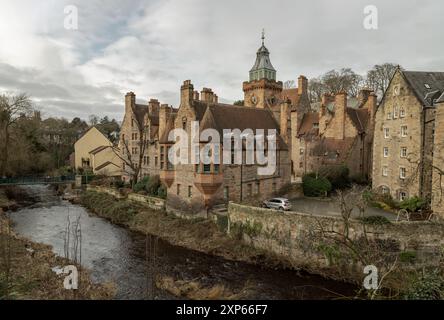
186,93
364,95
164,114
153,106
206,95
215,98
371,104
340,110
196,95
285,108
130,101
302,85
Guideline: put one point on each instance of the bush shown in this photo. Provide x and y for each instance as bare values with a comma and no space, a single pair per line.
315,187
375,220
141,185
162,192
153,185
427,286
337,175
413,204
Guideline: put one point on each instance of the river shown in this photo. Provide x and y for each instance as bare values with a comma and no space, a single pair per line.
117,255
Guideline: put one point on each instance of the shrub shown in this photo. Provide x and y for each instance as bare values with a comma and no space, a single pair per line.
337,175
375,220
141,185
413,204
162,192
315,187
153,185
407,256
426,286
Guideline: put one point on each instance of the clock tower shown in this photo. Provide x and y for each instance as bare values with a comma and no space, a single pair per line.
262,90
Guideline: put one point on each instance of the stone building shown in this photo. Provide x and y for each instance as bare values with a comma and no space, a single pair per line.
142,119
404,142
195,187
336,131
93,151
438,159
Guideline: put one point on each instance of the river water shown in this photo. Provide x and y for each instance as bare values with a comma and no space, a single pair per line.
120,256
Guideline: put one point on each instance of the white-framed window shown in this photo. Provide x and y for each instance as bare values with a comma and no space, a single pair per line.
402,112
386,133
301,151
403,131
403,152
395,112
389,115
402,195
385,152
385,171
402,173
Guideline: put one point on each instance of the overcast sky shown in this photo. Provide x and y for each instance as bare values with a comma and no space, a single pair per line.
150,47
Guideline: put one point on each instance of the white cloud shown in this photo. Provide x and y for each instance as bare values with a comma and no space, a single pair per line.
150,47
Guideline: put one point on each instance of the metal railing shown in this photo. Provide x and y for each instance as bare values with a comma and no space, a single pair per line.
37,180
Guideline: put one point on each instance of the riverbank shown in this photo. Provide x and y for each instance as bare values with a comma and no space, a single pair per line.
199,235
26,266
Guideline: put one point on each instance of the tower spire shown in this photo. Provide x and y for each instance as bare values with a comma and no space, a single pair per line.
263,36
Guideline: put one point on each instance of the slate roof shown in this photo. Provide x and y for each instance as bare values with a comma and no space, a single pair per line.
424,83
262,60
223,116
359,118
307,124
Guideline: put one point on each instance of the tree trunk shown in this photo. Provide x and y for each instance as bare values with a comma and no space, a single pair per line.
4,156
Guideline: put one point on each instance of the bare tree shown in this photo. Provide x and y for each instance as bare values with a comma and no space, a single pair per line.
316,89
378,78
132,154
11,109
343,80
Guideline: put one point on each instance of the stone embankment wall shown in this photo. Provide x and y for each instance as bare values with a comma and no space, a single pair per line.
302,239
150,202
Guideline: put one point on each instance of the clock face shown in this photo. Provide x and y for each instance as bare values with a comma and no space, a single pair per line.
253,99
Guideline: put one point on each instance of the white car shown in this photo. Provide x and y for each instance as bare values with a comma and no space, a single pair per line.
282,204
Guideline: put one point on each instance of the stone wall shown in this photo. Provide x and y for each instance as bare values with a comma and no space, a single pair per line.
150,202
292,236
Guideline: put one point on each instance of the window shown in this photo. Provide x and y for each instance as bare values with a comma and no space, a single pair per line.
395,112
385,171
301,151
386,152
250,189
226,193
184,123
197,168
156,161
178,189
258,187
301,164
389,115
403,131
403,152
385,190
315,125
190,191
216,168
402,172
386,133
402,112
207,168
402,195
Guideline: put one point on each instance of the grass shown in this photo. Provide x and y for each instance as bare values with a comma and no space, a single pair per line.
30,275
200,235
